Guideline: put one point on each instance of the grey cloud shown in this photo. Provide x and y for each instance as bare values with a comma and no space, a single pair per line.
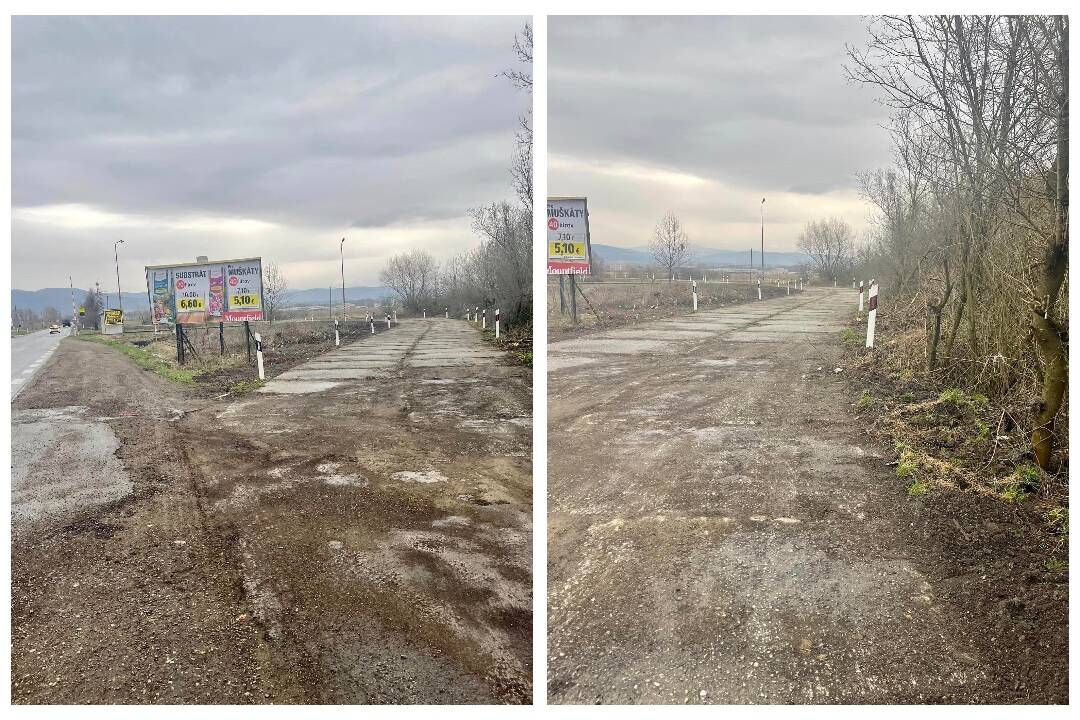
753,101
297,121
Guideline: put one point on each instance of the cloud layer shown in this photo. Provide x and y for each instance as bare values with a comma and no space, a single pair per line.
254,136
705,116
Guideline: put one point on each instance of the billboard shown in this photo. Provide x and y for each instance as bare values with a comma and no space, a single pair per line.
195,293
568,241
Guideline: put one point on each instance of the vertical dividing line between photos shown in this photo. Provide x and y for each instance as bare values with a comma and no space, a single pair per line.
540,144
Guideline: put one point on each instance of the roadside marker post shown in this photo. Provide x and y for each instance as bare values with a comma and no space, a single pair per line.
497,318
258,355
695,296
337,335
860,296
788,285
852,283
425,313
387,321
372,326
759,289
484,325
871,319
447,313
476,314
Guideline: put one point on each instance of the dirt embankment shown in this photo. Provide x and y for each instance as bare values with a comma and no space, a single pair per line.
136,601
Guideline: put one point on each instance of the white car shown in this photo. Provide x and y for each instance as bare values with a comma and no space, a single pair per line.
54,328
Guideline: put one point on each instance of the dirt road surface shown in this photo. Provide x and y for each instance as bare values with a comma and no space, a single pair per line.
359,531
721,531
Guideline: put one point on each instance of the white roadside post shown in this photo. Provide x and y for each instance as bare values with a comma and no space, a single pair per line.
695,296
484,325
759,289
852,283
337,335
373,325
496,323
258,355
476,314
387,321
788,285
447,313
860,296
872,316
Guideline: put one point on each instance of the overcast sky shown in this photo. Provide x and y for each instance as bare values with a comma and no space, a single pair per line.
235,137
705,116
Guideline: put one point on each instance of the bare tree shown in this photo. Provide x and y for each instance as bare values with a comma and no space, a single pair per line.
670,245
274,287
413,276
830,244
522,164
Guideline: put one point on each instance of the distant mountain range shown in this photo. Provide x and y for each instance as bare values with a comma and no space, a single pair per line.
60,298
702,256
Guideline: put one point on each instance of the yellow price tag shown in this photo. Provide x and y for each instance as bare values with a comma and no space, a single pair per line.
193,304
246,300
566,249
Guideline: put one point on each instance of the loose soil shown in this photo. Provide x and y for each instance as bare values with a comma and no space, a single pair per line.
722,529
271,550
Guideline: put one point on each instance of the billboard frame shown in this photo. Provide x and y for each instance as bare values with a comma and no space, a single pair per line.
147,269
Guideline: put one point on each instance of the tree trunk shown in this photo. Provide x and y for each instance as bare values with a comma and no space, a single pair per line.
1049,336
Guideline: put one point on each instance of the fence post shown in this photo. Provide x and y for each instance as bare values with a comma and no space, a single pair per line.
221,336
247,338
871,319
573,297
179,343
259,355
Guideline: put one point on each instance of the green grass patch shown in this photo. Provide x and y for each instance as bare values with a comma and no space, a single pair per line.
866,399
524,358
145,359
1014,493
1056,565
953,396
850,338
246,386
918,487
1058,519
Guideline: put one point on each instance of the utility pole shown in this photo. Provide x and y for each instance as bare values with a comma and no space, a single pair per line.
116,259
344,314
74,313
762,238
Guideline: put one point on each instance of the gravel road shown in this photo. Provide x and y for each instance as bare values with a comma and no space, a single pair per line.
722,531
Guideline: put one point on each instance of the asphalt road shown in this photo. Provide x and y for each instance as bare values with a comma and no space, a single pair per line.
721,530
29,353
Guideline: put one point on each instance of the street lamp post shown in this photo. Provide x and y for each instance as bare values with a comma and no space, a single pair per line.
763,239
116,259
344,313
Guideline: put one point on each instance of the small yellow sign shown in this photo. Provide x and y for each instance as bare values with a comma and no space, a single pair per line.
191,304
566,250
245,300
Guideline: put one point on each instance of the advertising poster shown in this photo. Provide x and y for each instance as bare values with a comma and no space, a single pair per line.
197,293
568,236
244,290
